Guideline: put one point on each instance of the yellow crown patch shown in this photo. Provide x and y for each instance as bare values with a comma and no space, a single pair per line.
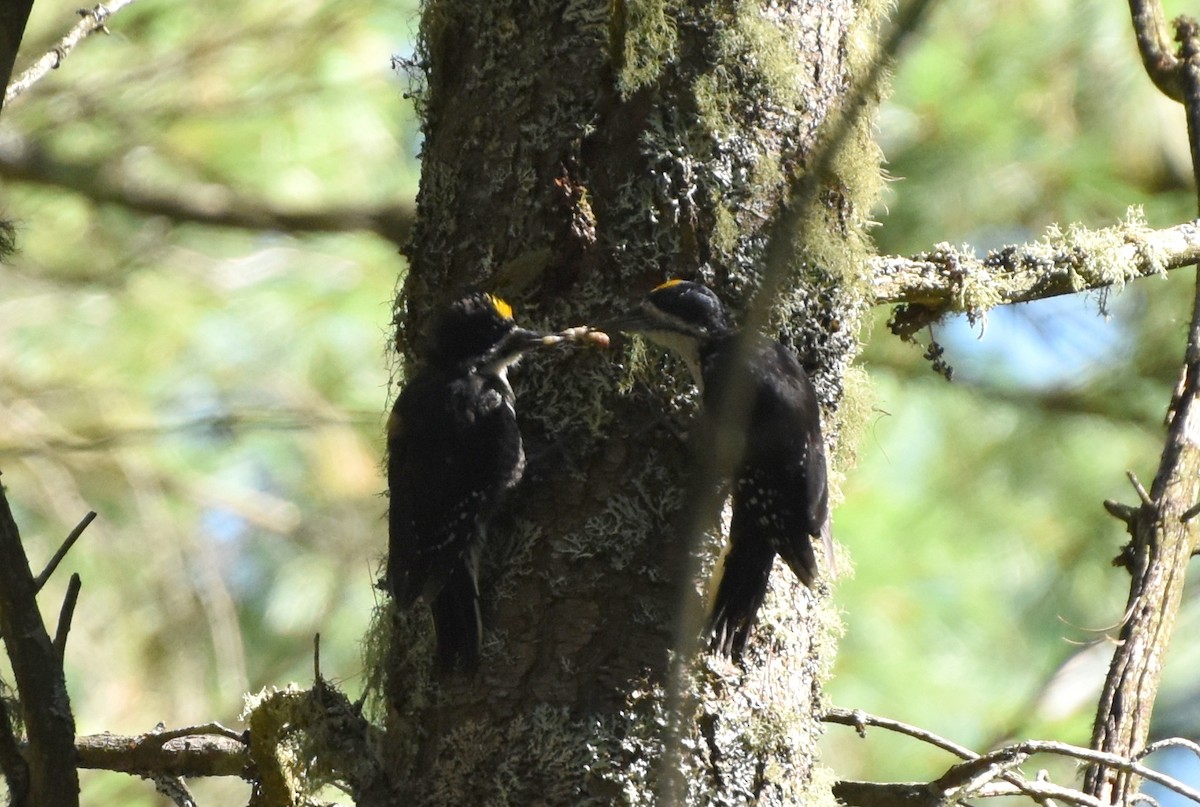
502,308
668,284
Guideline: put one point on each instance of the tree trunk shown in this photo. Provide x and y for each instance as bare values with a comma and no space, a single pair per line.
575,155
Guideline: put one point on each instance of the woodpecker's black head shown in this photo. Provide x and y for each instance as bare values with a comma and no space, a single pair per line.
675,308
478,332
679,315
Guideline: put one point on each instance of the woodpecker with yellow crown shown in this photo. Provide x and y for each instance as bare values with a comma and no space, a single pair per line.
454,449
780,496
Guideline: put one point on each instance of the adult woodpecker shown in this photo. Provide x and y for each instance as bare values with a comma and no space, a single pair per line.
780,497
454,449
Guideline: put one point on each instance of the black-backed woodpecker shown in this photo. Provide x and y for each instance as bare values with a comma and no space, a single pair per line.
454,449
780,497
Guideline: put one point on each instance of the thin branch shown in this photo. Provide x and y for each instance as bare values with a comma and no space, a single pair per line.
163,736
1170,742
1154,45
65,614
859,720
1044,792
1003,758
1140,489
93,21
1109,760
41,579
209,203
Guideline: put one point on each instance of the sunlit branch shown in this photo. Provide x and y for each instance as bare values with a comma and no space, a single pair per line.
954,279
92,21
192,751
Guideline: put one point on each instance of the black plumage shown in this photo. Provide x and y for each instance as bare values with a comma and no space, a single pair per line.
779,486
454,449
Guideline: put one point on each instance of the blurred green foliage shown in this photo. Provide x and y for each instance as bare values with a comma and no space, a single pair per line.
983,592
217,394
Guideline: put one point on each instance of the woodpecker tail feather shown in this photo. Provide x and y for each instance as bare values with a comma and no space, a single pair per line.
457,622
740,594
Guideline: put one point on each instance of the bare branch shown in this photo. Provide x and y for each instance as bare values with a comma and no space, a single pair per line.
208,203
65,614
193,751
980,769
93,21
72,537
1150,27
859,720
37,669
1170,742
1143,495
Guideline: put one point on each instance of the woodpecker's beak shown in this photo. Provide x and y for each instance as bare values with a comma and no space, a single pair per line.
633,321
515,344
520,340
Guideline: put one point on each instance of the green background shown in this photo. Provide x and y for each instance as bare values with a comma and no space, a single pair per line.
218,394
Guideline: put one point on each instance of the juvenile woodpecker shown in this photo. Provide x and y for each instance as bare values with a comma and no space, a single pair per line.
780,498
454,449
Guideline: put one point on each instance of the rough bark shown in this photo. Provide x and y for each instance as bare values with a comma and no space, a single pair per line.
576,154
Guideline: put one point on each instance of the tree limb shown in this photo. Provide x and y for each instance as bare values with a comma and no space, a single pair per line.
38,672
93,21
1163,540
1154,45
194,751
209,203
72,537
952,279
66,614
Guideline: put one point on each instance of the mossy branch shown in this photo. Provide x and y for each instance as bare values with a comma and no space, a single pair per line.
951,279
